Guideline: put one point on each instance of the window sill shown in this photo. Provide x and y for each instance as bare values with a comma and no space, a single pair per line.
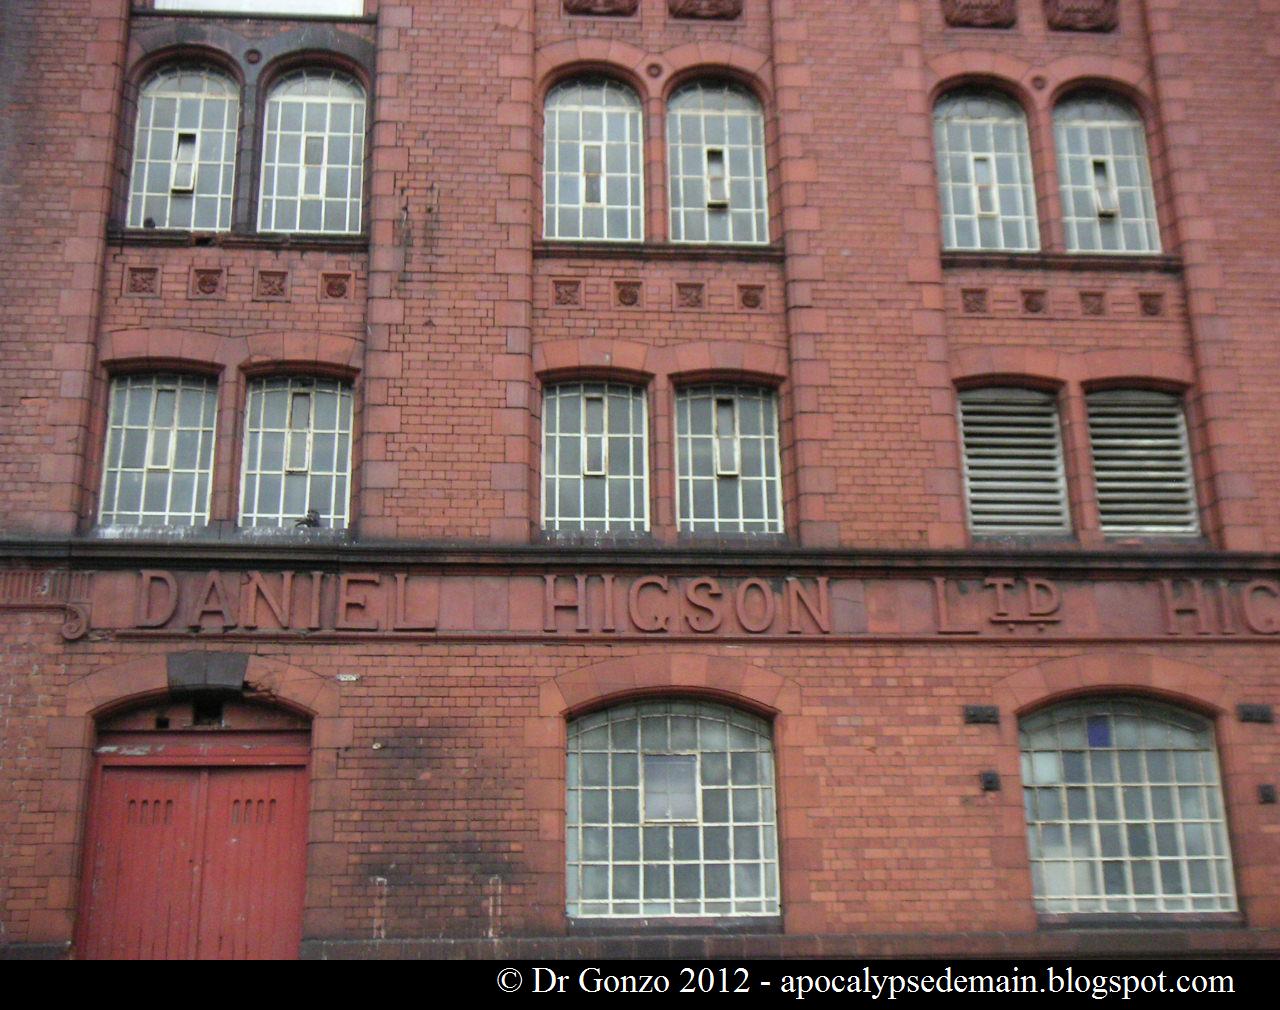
574,249
234,240
680,925
981,259
1146,921
220,532
193,15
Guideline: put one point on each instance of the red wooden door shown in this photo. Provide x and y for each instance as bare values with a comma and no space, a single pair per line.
195,862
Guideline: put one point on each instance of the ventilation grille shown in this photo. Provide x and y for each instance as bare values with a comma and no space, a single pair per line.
1013,462
1141,463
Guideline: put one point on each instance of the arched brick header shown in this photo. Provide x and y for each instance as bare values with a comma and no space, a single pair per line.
721,361
726,679
972,67
1074,73
139,347
1092,368
563,60
1034,366
592,356
695,60
292,350
1176,681
125,683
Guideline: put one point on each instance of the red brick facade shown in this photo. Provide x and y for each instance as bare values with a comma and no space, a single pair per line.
441,645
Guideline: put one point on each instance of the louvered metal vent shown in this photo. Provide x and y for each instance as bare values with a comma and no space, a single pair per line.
1013,462
1141,463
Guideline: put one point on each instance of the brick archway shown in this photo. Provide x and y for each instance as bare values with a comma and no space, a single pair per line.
110,688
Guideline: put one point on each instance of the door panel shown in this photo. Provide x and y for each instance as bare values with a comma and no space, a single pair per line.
253,863
143,864
205,862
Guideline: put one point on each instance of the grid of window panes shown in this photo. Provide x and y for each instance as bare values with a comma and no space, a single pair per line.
592,162
159,453
313,154
1108,204
727,468
671,812
594,458
297,452
1124,810
715,146
184,151
984,173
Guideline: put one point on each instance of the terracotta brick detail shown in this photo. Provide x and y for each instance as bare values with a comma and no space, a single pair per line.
1082,15
609,8
690,295
980,13
713,9
271,286
142,282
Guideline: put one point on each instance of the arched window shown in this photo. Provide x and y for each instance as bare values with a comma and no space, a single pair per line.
595,458
184,150
715,149
313,154
593,162
159,453
1124,809
984,172
727,467
1107,201
297,452
671,812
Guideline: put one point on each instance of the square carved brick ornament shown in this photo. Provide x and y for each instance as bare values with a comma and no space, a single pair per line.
980,13
720,10
1082,15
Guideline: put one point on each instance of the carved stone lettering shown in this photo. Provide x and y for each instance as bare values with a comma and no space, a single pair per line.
704,596
1259,617
155,607
644,615
1192,603
349,599
755,618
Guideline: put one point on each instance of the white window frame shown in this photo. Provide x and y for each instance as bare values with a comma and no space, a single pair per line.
191,418
184,100
604,116
1119,794
569,459
706,119
1142,470
1014,474
266,486
728,484
623,863
971,126
313,93
1093,128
